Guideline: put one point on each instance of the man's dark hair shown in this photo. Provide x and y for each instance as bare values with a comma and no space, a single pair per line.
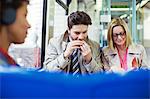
77,18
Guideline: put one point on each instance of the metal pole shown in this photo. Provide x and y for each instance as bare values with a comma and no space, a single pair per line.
43,32
134,20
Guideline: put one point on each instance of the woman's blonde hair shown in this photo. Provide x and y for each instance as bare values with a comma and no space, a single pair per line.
118,22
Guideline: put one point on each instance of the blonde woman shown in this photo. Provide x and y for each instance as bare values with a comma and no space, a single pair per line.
122,54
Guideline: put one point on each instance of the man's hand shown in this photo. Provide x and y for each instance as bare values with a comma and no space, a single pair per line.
86,52
72,46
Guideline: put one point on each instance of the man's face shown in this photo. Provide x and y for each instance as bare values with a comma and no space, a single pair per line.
79,32
17,31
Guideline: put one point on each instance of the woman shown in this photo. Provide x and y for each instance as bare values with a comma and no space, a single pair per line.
13,27
122,54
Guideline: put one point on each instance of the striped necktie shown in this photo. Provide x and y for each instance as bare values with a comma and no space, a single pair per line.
75,66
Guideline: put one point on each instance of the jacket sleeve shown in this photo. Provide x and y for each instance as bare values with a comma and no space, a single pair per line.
104,60
145,64
95,64
53,60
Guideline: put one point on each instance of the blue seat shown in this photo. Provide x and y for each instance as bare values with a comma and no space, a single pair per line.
18,83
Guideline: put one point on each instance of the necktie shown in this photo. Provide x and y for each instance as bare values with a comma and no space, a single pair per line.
75,66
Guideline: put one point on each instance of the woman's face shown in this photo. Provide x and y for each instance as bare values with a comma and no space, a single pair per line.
119,35
17,31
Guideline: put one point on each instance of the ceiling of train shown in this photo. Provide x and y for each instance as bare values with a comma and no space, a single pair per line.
125,4
118,7
147,5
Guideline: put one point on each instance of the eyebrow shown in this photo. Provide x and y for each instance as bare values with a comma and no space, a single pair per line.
80,32
118,33
84,31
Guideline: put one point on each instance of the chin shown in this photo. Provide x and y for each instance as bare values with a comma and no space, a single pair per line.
20,42
120,43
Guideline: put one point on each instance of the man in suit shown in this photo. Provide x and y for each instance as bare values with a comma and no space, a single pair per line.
60,51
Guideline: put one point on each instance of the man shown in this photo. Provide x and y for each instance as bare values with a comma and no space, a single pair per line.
73,52
13,27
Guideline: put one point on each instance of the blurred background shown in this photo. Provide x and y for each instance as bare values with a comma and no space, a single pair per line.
48,18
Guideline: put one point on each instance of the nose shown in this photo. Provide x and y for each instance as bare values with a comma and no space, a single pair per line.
27,24
119,37
81,36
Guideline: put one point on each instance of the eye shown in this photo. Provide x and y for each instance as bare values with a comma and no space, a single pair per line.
121,33
115,35
84,32
77,33
24,14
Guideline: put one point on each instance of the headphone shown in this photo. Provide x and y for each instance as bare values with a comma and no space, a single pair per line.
8,12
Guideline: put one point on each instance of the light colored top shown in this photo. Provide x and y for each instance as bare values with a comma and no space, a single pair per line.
136,57
55,61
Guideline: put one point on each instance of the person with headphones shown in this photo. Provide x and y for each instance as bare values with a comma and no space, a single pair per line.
13,27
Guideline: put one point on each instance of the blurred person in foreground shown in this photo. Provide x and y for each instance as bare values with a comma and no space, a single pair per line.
13,27
122,54
73,52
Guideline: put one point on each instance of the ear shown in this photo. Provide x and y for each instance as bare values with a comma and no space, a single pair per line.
68,30
8,16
